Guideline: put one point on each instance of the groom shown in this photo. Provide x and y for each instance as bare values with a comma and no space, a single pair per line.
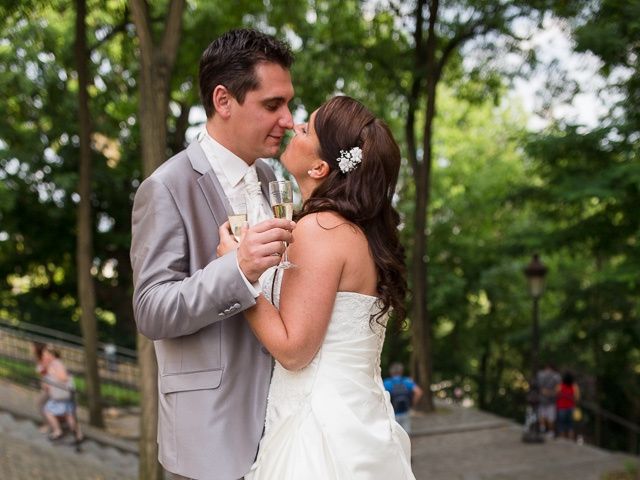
213,374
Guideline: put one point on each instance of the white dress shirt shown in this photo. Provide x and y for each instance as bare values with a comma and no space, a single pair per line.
230,170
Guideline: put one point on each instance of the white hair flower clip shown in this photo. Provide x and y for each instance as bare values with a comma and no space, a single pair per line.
348,161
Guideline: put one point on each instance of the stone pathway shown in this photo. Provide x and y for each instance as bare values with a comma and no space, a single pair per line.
455,443
466,444
27,454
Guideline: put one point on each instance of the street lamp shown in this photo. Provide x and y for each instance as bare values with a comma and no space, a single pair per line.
535,273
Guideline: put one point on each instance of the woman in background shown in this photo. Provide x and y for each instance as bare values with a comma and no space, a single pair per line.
60,389
567,396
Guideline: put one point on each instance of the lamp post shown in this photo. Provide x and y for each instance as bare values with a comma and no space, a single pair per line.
535,273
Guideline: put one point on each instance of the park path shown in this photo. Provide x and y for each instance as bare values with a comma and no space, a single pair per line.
460,443
455,443
27,454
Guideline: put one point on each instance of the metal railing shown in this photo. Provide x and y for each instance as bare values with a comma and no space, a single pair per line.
118,368
592,426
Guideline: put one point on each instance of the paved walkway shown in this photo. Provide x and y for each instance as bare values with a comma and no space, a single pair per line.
466,444
27,454
455,443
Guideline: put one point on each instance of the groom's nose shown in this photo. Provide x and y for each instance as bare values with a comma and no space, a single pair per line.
286,120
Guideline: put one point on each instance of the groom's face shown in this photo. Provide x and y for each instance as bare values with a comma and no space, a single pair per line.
261,121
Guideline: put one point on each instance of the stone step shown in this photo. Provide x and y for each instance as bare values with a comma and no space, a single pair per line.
6,421
88,451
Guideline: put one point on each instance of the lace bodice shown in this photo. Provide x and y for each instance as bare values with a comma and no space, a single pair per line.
332,420
354,339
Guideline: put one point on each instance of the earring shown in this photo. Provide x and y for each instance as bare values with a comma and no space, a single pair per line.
309,172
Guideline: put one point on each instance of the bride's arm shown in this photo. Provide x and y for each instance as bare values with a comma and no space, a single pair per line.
294,334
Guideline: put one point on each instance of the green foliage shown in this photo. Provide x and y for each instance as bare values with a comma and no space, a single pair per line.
479,309
38,162
586,199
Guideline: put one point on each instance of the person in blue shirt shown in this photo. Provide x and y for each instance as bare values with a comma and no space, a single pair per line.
404,392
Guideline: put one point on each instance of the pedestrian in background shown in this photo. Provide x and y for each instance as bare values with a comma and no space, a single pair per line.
567,396
43,396
60,389
548,380
404,392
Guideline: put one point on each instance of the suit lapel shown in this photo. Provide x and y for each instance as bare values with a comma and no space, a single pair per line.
209,184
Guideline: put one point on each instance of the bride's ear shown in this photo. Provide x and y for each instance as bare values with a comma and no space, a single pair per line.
320,170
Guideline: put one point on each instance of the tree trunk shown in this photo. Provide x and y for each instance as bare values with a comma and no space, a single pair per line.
177,137
149,467
421,338
596,346
84,248
156,67
425,65
483,377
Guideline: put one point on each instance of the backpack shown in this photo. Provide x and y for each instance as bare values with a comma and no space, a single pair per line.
401,396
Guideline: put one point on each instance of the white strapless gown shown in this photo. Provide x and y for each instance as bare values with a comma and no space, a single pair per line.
333,420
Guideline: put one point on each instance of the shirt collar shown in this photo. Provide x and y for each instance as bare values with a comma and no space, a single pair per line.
222,160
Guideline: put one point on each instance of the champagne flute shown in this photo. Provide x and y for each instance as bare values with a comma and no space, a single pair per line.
281,199
238,215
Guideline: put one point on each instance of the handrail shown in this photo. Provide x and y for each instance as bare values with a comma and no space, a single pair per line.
595,408
118,374
68,338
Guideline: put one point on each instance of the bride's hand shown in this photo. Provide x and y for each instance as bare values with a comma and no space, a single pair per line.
227,240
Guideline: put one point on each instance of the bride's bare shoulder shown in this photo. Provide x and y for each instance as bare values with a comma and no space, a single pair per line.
326,222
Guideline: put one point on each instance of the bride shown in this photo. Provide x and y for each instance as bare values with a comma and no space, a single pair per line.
328,415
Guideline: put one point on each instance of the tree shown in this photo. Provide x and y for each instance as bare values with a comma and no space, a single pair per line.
477,300
156,68
39,165
439,33
84,247
395,55
590,193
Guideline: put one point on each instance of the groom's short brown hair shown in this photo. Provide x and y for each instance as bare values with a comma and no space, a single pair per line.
230,61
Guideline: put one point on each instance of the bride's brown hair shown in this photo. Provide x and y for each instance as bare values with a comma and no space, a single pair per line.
364,195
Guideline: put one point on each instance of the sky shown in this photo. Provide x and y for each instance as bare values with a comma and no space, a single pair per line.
553,45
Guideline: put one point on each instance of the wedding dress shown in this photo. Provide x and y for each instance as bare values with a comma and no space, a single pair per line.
333,420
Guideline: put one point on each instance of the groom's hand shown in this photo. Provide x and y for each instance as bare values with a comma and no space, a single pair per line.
262,245
227,240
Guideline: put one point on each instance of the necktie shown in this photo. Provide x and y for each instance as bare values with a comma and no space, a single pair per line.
256,209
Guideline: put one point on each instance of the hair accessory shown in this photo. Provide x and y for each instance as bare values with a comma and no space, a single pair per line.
348,161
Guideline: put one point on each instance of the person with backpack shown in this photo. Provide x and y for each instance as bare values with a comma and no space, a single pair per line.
404,393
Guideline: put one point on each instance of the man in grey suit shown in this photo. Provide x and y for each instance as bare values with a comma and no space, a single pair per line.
213,374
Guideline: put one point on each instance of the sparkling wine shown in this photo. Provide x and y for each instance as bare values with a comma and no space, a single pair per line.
283,210
281,200
236,222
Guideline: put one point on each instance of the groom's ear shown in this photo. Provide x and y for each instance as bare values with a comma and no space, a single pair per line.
222,101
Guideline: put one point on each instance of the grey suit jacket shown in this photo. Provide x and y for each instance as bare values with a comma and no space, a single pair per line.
213,374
